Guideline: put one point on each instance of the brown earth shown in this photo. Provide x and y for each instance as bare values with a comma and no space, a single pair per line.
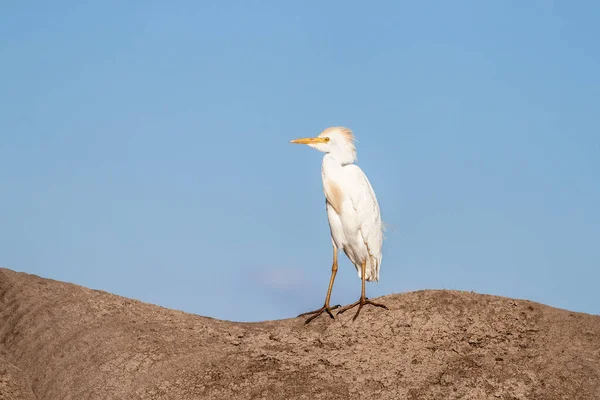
63,341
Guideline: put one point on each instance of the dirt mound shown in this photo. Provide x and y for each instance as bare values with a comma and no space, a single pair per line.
63,341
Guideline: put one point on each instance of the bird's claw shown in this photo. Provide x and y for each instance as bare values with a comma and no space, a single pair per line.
360,303
314,314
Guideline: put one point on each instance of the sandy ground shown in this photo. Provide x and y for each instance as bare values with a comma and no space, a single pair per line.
63,341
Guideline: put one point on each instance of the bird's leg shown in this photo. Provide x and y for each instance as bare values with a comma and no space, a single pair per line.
363,298
326,308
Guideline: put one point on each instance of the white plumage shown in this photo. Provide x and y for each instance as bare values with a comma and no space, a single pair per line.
352,209
356,226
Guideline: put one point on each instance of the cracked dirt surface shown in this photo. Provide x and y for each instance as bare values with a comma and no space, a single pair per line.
63,341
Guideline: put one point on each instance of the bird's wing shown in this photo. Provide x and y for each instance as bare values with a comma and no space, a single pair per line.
365,203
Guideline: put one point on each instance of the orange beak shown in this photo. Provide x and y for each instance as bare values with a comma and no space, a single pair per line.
314,140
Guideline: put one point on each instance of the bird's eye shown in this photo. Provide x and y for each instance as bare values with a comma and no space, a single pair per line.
327,139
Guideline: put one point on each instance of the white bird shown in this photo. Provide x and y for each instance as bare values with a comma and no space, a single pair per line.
352,210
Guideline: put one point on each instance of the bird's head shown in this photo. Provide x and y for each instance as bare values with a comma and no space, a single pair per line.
336,140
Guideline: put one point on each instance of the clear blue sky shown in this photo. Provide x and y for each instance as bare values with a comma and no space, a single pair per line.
144,147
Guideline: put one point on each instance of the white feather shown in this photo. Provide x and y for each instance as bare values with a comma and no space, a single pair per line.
356,226
352,208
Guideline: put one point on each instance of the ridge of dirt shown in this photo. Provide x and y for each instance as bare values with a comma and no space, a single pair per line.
63,341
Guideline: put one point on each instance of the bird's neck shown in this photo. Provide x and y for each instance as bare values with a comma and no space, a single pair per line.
340,157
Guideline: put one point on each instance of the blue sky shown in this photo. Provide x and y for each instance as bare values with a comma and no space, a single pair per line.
144,148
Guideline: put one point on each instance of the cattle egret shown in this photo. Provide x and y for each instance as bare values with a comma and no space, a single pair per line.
352,211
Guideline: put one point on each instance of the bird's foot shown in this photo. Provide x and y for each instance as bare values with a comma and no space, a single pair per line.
360,303
314,314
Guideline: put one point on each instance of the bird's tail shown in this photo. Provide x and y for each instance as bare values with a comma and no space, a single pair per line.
372,270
